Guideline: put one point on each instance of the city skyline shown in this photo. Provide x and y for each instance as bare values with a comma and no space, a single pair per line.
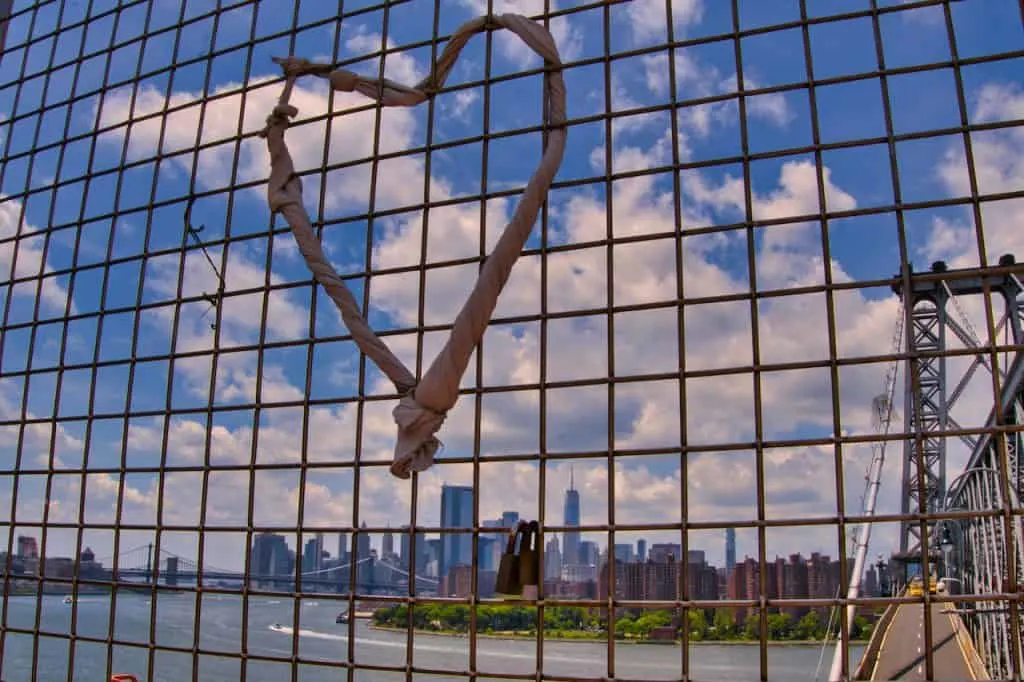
582,417
271,552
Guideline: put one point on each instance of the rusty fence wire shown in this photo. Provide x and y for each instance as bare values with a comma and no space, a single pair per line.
680,383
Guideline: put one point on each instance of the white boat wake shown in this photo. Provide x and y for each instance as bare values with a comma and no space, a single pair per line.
420,646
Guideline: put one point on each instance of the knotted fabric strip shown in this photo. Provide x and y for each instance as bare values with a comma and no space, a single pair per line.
422,408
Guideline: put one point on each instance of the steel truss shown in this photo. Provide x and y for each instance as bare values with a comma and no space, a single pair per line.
927,399
984,553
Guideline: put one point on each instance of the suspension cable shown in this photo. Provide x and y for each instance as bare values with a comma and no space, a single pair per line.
882,414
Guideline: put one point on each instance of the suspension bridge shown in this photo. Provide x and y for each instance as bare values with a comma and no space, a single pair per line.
138,565
959,570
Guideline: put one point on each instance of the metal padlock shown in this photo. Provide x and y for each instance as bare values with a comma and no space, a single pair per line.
507,581
529,561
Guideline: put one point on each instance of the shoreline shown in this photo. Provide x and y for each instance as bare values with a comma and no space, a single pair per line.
630,642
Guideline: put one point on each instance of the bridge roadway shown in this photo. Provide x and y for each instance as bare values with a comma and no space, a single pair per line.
902,652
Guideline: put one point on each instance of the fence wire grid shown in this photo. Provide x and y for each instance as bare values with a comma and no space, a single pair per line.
680,382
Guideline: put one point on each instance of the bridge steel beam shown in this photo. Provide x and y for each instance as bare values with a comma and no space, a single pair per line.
988,546
926,410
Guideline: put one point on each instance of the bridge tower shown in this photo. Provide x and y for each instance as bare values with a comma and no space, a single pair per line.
927,410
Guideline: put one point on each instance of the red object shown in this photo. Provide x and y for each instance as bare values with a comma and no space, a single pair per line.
124,678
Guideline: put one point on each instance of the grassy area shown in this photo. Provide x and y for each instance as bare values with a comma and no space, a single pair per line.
584,636
587,624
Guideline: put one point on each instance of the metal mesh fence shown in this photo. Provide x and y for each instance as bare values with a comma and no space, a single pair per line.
679,382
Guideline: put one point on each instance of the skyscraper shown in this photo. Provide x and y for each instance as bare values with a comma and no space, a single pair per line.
343,548
456,512
552,560
730,549
270,556
422,554
387,545
27,547
363,567
312,556
641,550
571,519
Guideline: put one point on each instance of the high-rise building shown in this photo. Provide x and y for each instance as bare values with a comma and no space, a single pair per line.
422,553
641,550
387,545
27,547
624,552
456,512
270,556
362,543
433,554
871,582
588,553
552,559
363,565
730,549
701,579
343,548
312,555
571,519
509,519
665,551
794,585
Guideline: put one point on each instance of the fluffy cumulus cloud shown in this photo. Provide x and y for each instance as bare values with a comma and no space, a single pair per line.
568,38
648,18
717,412
22,257
998,169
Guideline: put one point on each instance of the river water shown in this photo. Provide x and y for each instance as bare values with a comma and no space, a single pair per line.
321,640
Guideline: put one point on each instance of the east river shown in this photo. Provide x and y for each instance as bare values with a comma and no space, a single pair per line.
320,639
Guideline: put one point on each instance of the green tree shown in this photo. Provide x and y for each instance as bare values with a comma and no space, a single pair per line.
809,627
780,626
698,624
752,625
626,625
861,628
725,624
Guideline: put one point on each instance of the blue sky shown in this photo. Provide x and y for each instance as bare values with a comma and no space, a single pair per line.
85,231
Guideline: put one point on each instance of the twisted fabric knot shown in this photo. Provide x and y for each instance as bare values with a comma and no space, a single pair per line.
343,80
416,444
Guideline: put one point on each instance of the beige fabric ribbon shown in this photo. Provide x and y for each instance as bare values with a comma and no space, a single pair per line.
424,404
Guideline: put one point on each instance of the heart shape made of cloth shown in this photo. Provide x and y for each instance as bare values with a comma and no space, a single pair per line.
424,403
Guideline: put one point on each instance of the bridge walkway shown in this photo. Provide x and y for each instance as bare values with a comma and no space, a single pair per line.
902,651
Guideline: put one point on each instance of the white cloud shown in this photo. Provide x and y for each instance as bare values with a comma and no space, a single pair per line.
398,66
648,18
694,80
998,168
568,38
24,258
462,101
352,137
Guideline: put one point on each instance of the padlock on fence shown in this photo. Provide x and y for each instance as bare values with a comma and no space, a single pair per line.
507,581
529,561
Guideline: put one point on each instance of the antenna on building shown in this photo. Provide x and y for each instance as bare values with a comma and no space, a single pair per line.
572,477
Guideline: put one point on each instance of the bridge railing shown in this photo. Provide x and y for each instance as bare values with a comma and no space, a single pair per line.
988,551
